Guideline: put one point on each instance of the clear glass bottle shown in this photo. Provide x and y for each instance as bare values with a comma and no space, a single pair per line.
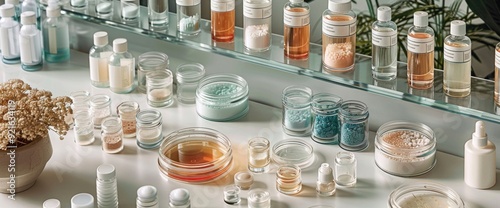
353,117
98,60
149,128
339,36
147,197
297,32
297,117
106,186
325,110
127,112
180,198
384,45
148,62
223,20
9,35
420,52
30,43
259,156
257,23
55,36
188,17
17,9
345,169
457,61
188,76
112,135
158,13
325,186
101,108
497,74
121,67
289,179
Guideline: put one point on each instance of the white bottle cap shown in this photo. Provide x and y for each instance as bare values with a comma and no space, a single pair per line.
179,196
13,2
51,203
82,200
100,38
339,5
120,45
28,18
296,1
384,13
147,194
479,137
7,10
106,172
325,173
420,19
458,28
53,11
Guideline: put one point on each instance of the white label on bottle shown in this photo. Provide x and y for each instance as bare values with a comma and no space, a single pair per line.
497,59
26,44
121,76
385,38
257,12
296,19
457,54
4,36
52,40
222,6
420,45
99,69
339,28
187,2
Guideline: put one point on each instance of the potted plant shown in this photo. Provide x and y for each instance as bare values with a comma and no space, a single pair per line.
27,116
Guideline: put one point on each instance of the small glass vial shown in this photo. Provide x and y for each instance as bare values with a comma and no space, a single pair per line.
101,108
84,127
188,76
148,62
258,198
457,61
129,10
384,45
188,17
345,169
257,25
55,36
149,128
127,111
98,60
325,186
232,194
223,18
353,116
243,180
17,9
82,200
288,179
30,43
180,198
297,117
296,34
158,13
51,203
497,74
112,135
121,67
147,197
420,52
159,86
106,187
339,36
104,8
78,4
258,155
9,35
325,110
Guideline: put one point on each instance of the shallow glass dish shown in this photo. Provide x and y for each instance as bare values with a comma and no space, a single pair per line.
293,151
424,195
195,155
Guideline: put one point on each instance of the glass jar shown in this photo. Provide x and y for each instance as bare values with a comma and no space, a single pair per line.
100,106
258,154
405,149
297,117
353,117
84,127
303,153
325,108
188,76
257,24
148,62
345,169
424,195
149,128
222,97
288,179
81,101
127,111
112,135
188,17
159,86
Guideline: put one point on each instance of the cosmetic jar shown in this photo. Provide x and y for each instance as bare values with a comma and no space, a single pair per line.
325,108
258,154
112,135
259,198
222,97
424,194
127,111
289,179
188,77
353,116
100,106
159,88
149,128
297,117
195,155
405,148
243,179
293,151
232,194
148,62
345,169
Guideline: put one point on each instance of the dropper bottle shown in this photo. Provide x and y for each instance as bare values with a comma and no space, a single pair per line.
325,186
480,160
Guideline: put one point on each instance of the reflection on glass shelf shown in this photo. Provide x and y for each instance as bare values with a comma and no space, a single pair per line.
479,104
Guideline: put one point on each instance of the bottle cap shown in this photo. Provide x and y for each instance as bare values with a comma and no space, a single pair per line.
120,45
420,19
179,197
296,1
147,194
53,11
82,200
7,10
384,13
100,38
106,172
28,18
243,179
457,28
325,173
479,137
13,2
339,5
51,203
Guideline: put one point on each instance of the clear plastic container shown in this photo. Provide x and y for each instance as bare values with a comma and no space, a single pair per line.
353,116
149,128
148,62
424,194
325,110
289,179
297,117
293,151
188,77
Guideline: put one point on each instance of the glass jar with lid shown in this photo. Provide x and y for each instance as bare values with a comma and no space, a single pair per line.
112,135
149,128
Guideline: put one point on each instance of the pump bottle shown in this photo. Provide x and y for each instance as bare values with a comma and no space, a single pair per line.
480,160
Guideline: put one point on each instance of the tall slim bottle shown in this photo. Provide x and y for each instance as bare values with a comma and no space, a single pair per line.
420,52
457,61
223,18
497,74
296,33
121,68
9,35
98,60
30,43
384,45
55,36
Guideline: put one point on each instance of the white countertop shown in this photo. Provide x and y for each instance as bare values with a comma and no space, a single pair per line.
72,168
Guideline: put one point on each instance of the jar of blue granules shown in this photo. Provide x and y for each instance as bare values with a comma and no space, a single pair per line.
325,108
297,117
353,117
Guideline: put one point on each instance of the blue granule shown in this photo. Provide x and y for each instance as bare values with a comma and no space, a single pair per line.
352,134
325,126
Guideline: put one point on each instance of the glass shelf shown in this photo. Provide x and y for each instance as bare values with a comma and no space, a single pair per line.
480,104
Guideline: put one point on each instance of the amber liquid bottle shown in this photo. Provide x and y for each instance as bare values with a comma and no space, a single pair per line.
297,29
497,75
420,53
223,18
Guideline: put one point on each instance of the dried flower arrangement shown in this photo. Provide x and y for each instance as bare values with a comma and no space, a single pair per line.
28,113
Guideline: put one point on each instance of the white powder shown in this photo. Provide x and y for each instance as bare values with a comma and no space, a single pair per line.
257,36
221,112
150,136
160,94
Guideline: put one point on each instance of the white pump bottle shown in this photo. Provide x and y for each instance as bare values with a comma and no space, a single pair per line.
480,160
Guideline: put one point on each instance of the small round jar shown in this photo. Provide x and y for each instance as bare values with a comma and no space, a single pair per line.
159,87
405,149
188,76
258,154
424,194
195,155
293,151
148,62
326,127
222,97
353,116
289,179
81,100
258,198
127,111
149,129
112,135
84,127
243,179
297,117
100,106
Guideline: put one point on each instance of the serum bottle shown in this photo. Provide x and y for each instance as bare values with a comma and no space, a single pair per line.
98,58
480,160
223,18
296,29
55,36
325,186
420,52
121,68
457,61
30,43
384,45
9,35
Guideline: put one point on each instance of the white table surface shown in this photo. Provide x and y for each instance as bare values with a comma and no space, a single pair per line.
72,168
